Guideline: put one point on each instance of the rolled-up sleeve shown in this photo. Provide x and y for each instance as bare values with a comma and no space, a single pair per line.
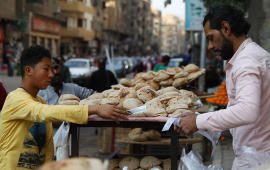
247,80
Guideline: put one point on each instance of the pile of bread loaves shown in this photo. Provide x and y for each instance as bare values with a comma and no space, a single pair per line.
147,163
138,135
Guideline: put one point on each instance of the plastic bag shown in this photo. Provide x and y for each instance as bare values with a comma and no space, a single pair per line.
193,161
61,136
251,159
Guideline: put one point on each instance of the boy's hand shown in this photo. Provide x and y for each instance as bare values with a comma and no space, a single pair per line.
109,111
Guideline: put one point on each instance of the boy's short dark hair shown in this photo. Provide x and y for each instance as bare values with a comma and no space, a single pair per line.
33,55
165,59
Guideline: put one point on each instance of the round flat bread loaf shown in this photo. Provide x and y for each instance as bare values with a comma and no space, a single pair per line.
168,89
130,162
132,103
110,101
148,87
171,108
113,164
166,164
126,82
180,74
127,93
194,75
152,134
167,82
106,93
171,71
180,81
138,76
76,163
68,102
179,69
190,68
155,108
148,75
113,94
135,131
187,93
152,83
96,96
90,102
68,97
139,85
178,112
145,95
149,162
161,76
180,100
117,86
137,81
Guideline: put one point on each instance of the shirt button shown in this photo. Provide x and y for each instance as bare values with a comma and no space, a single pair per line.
206,130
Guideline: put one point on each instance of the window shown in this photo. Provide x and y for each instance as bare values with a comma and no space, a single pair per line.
42,42
34,41
80,23
49,44
64,23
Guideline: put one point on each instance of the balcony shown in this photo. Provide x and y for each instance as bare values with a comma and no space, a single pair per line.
75,6
77,33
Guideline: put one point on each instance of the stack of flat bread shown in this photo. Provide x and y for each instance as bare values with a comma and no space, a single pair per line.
68,99
138,135
76,163
146,163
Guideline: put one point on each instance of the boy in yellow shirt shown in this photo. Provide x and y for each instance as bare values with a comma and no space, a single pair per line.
26,134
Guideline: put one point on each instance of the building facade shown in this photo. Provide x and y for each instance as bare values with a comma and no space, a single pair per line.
157,31
81,28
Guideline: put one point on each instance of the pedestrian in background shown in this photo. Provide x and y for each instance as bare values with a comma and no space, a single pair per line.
138,67
148,66
64,70
188,57
164,62
102,79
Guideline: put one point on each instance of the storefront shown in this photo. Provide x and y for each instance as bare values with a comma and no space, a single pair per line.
44,31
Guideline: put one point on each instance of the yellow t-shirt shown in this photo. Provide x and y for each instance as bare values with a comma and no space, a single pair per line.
26,135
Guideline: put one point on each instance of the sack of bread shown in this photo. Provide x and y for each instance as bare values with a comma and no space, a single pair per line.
146,95
130,162
90,102
149,162
76,163
152,134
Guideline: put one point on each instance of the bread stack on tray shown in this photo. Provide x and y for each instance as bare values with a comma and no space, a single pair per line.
138,135
159,91
68,99
146,163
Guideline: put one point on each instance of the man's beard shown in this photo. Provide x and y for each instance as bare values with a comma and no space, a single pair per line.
226,51
55,82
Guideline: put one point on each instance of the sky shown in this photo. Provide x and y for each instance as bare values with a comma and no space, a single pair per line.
177,7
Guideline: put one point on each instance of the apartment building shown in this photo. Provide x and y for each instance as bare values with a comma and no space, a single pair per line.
157,30
81,30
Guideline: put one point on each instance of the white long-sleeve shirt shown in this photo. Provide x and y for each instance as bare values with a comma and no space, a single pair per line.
248,111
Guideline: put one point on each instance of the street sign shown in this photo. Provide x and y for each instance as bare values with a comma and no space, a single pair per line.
194,15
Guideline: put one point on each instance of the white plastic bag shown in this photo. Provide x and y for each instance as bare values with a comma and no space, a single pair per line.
61,136
193,161
250,159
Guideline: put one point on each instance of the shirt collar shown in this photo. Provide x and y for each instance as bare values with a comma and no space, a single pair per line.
242,46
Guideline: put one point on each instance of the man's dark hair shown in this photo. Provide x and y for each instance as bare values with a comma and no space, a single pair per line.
165,59
232,15
56,60
102,62
33,55
62,58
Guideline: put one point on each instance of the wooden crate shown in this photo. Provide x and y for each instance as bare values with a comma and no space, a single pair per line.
105,140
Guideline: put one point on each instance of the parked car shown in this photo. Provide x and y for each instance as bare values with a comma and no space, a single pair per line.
174,62
121,66
81,70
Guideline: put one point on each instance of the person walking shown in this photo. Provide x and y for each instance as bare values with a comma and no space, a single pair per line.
64,70
148,66
164,62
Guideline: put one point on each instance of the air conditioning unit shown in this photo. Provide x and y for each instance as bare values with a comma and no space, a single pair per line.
57,9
